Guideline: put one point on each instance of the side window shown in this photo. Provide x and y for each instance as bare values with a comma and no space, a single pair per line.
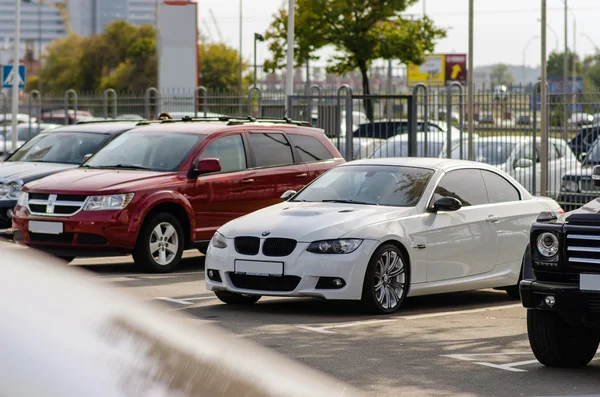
271,149
230,152
309,148
464,185
499,190
553,153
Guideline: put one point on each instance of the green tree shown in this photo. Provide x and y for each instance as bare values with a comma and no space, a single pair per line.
360,31
555,64
500,75
219,67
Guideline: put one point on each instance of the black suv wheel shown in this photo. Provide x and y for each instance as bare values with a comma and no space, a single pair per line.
557,344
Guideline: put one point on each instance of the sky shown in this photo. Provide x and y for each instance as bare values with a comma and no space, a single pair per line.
502,28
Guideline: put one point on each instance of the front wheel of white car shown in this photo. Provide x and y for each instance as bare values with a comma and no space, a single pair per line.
386,281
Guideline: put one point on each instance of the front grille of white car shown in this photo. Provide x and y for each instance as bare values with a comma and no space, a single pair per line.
64,205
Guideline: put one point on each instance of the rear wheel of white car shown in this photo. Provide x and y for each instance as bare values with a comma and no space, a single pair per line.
236,299
386,280
160,244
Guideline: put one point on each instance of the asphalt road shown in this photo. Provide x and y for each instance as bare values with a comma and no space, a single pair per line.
463,344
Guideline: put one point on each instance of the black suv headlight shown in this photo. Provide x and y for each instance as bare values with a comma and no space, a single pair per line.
547,245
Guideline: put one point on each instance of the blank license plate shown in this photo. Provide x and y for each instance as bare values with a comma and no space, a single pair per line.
46,227
259,268
589,282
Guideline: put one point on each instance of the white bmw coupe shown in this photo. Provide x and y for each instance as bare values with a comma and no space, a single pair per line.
378,231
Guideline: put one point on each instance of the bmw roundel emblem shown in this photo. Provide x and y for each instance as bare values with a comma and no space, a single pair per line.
264,234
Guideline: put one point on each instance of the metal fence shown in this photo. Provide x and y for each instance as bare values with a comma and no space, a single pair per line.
427,121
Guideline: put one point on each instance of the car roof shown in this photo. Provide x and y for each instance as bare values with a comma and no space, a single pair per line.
422,162
98,128
210,127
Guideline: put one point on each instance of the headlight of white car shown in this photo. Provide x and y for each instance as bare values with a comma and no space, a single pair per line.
23,199
570,186
341,246
218,241
112,202
10,190
547,244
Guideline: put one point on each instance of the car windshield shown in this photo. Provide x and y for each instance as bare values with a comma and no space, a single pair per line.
494,153
398,148
156,151
59,147
370,185
593,157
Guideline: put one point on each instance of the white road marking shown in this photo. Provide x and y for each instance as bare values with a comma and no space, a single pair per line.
199,298
473,358
327,329
180,301
150,276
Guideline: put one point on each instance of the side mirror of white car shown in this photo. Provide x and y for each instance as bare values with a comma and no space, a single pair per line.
288,195
447,204
523,163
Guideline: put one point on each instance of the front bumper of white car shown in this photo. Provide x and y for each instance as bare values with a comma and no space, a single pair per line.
304,273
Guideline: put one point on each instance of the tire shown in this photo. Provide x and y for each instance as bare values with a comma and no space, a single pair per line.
384,295
160,244
513,292
236,299
68,259
557,344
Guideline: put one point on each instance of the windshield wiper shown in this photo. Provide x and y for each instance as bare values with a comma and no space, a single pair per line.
125,166
348,202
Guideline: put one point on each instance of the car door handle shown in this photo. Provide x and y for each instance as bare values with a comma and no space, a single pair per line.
248,181
493,219
302,175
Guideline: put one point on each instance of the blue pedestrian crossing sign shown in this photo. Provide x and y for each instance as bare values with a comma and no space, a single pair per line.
8,77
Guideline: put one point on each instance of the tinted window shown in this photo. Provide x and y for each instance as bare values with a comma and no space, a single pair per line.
59,147
464,185
309,148
499,189
271,149
371,185
230,152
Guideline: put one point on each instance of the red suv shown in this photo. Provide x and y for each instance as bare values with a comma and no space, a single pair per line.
165,187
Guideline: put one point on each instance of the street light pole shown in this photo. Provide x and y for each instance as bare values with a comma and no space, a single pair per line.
555,35
15,73
257,37
470,84
241,59
544,109
565,77
40,46
524,53
591,41
289,77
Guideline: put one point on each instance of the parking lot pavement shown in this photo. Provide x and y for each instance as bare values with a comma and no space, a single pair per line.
464,344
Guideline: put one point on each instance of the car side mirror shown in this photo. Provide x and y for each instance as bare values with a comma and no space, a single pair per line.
87,157
596,175
207,166
447,204
288,195
523,163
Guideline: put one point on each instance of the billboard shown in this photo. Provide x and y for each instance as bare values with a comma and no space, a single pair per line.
177,45
439,69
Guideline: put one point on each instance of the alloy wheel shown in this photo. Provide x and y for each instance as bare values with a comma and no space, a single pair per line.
390,279
164,243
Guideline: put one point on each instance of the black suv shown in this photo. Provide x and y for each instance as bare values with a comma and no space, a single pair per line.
561,285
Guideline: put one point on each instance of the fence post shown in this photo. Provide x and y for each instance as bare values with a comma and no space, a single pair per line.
449,120
204,92
32,94
412,122
147,100
349,133
68,93
114,93
250,91
5,111
310,97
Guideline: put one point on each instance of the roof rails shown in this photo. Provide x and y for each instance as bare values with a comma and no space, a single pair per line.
232,120
109,121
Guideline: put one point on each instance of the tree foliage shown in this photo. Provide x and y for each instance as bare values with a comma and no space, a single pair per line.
501,75
123,57
360,31
555,64
219,68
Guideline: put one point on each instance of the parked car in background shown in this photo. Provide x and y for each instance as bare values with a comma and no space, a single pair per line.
363,147
159,189
520,158
487,118
377,231
50,152
581,119
385,129
436,146
24,133
577,186
6,119
58,116
583,141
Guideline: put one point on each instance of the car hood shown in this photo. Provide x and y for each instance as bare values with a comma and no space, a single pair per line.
91,181
29,171
307,222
